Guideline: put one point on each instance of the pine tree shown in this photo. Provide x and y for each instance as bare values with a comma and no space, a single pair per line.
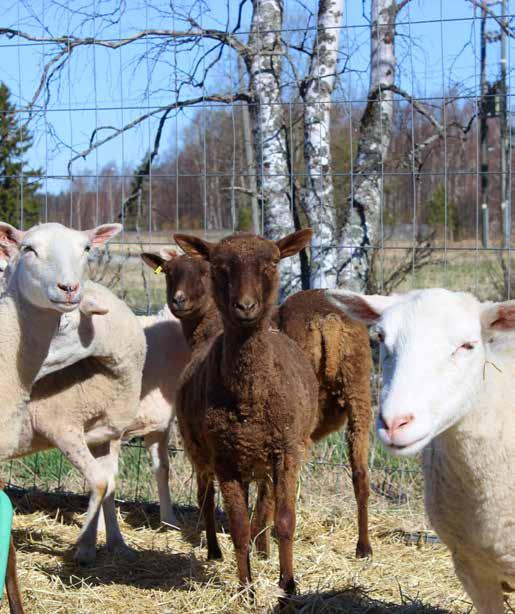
16,180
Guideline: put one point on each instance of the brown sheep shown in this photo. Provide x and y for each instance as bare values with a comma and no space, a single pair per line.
248,401
339,351
188,294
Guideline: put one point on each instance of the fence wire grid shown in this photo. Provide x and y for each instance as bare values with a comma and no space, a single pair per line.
147,113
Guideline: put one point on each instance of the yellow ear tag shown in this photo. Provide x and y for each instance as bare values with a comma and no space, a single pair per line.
158,270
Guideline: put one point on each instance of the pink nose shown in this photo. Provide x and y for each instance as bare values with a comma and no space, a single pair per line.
397,424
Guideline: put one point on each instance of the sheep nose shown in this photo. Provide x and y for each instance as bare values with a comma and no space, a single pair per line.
69,288
395,425
179,299
245,306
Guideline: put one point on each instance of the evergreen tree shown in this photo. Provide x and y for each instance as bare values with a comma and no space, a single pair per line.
16,180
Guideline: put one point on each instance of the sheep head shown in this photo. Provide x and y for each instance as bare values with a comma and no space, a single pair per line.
244,272
49,267
433,345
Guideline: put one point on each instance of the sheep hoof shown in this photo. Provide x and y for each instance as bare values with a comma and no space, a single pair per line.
85,555
123,551
363,551
214,554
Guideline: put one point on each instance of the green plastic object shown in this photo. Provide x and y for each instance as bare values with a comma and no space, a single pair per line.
6,518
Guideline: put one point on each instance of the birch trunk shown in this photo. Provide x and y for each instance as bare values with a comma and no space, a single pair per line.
361,230
318,198
264,65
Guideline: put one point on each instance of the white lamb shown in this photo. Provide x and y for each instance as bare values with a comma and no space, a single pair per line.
449,383
43,281
167,355
85,409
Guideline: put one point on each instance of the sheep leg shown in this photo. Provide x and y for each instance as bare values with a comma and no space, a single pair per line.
206,504
157,446
76,450
234,496
284,492
263,519
108,456
11,583
357,442
485,592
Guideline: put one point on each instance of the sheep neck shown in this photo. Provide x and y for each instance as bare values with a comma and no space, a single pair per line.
27,332
202,328
238,341
479,444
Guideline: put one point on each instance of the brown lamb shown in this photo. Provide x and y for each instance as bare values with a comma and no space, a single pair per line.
338,348
248,401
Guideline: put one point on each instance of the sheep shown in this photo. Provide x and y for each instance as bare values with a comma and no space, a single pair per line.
339,350
86,408
167,355
188,295
337,346
43,281
247,402
448,381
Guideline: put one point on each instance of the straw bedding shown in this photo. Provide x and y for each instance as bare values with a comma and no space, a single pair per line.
170,572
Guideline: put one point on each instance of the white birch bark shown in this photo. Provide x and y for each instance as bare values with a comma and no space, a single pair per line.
361,229
318,199
264,64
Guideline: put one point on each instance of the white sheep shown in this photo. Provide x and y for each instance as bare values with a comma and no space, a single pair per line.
43,281
448,388
167,355
85,409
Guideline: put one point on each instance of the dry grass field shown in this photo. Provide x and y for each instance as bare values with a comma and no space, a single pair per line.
170,572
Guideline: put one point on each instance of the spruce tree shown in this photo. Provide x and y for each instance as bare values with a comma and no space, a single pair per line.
16,179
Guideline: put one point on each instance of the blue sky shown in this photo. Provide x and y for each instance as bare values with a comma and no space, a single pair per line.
437,47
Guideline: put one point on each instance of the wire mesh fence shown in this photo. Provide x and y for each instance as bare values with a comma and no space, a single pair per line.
151,114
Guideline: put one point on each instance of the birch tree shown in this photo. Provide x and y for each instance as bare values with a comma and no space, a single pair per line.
317,195
264,63
362,226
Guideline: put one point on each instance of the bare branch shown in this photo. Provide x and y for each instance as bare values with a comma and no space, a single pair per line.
503,25
401,5
180,104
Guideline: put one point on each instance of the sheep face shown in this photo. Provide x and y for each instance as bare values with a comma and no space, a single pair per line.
50,265
434,349
188,286
244,272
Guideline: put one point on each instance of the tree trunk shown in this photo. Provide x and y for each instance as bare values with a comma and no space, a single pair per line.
318,199
264,65
362,227
249,156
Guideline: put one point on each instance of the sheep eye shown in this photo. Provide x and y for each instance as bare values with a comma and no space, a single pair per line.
29,248
87,248
380,336
467,346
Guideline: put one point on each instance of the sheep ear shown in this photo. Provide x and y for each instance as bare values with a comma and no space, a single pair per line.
498,316
193,246
168,253
89,306
9,235
367,309
152,260
102,234
8,251
293,243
